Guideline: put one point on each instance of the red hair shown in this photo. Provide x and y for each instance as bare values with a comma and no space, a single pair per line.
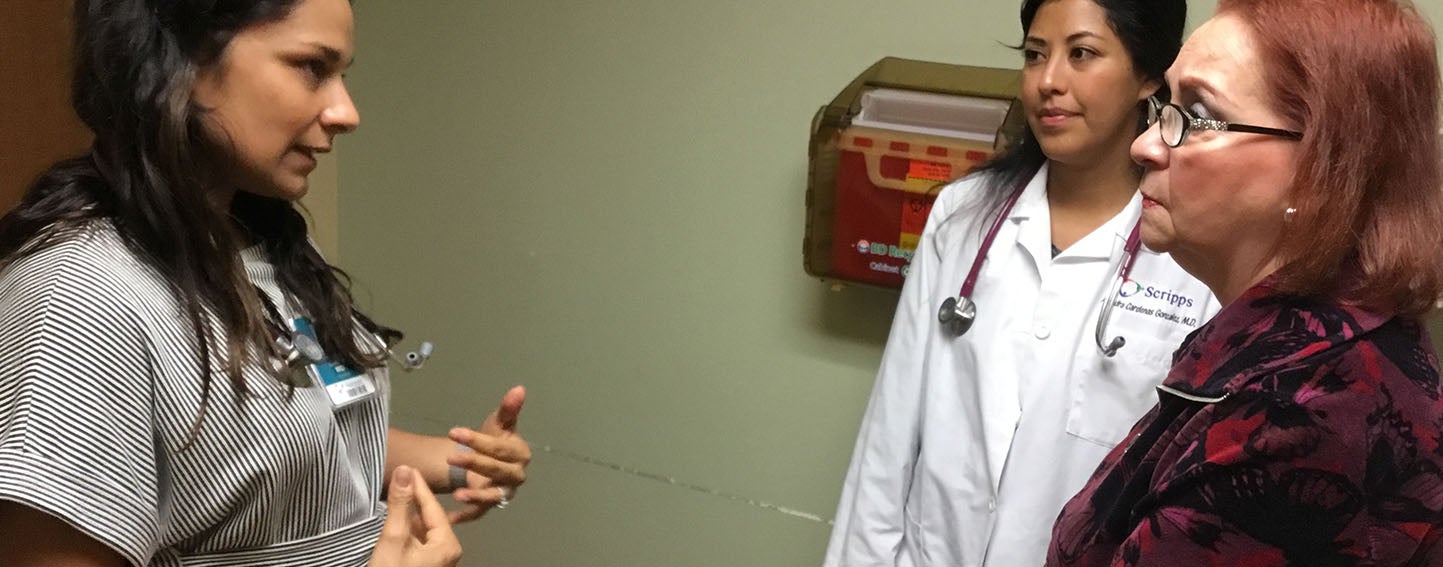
1361,79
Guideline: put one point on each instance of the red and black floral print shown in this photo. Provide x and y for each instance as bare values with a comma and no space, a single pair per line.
1290,431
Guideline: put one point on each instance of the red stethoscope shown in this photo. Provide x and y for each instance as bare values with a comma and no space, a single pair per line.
958,313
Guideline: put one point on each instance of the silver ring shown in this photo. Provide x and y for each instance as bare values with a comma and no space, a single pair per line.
505,498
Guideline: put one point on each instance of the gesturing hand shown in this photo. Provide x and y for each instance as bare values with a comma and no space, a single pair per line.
422,540
496,463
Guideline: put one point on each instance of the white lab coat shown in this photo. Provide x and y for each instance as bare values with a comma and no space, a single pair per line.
971,445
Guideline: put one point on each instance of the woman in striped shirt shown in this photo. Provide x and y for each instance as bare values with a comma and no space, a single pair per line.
183,379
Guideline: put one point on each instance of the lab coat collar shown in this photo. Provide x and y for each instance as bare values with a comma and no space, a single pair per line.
1033,202
1103,243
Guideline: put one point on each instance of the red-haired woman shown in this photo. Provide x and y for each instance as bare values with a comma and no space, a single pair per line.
1296,172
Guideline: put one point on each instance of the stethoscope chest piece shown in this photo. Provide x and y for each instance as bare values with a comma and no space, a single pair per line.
309,348
957,314
299,349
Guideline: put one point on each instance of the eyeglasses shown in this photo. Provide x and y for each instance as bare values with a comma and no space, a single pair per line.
1176,123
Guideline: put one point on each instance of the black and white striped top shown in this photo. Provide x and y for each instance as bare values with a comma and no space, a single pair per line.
99,389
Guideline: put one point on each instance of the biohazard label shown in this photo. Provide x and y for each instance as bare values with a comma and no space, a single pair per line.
922,176
914,218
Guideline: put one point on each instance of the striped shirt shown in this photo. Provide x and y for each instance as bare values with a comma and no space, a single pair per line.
100,389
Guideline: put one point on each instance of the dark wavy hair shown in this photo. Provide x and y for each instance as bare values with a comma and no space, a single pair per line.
1151,32
150,172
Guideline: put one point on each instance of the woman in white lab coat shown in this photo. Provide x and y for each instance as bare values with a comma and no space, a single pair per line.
972,442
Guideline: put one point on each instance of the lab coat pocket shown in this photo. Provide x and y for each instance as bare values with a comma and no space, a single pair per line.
1111,394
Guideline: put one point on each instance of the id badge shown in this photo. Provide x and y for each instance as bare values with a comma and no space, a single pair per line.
343,384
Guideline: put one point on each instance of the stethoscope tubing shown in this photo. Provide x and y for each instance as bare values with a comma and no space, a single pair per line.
957,313
1129,256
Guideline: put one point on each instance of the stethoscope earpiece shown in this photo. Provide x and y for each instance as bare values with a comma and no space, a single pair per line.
417,358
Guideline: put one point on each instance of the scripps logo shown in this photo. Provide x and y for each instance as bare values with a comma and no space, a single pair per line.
1131,288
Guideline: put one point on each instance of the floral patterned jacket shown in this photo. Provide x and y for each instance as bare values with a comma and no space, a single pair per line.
1289,432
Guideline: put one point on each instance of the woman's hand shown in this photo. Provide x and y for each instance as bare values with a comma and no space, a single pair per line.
496,463
425,540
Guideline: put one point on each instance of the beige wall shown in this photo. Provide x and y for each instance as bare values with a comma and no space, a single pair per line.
604,201
1433,9
322,203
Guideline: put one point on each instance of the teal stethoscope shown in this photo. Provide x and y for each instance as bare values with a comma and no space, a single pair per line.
958,313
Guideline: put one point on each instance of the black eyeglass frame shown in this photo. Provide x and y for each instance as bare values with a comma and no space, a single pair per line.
1156,108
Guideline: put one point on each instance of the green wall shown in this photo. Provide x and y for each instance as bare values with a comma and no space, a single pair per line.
604,202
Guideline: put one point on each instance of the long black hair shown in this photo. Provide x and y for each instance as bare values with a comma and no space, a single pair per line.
1151,32
150,172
